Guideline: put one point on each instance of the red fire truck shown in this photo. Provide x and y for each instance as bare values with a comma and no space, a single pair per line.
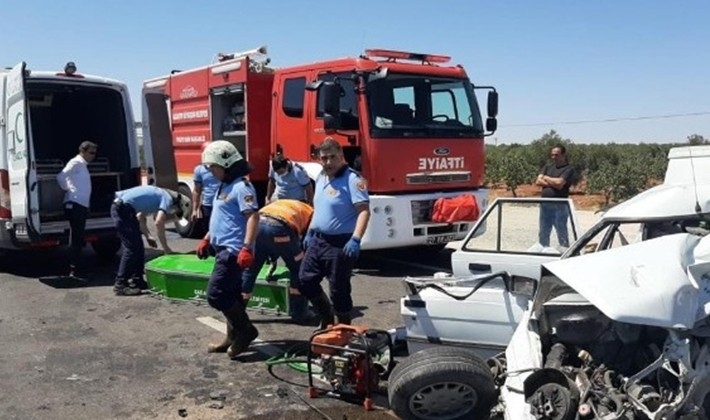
408,122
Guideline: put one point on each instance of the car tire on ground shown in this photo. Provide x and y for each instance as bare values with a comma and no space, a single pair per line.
442,383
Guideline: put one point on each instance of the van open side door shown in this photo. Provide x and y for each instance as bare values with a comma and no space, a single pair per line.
158,149
24,191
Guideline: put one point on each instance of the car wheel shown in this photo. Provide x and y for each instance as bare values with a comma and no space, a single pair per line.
185,227
447,384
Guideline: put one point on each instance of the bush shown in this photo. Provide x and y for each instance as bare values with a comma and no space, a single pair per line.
617,171
516,170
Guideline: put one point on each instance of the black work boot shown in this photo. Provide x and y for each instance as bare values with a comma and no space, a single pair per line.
244,331
300,313
344,318
139,283
123,288
321,304
224,345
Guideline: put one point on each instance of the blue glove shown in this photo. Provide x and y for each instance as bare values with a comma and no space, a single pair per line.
352,248
307,238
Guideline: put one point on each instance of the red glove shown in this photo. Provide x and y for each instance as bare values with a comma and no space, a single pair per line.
245,259
203,249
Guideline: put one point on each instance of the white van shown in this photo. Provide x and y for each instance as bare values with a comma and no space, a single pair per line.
44,117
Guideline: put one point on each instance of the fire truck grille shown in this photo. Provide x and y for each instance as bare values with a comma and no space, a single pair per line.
438,178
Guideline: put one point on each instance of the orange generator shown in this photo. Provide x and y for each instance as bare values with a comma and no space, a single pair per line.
353,359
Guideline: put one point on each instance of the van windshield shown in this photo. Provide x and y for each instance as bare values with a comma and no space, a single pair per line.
415,105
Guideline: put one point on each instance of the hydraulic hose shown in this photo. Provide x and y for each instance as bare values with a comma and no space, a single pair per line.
295,358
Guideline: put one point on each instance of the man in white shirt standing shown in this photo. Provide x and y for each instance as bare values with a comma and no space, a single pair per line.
75,180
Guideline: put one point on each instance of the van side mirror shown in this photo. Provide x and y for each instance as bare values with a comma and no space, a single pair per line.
332,92
521,285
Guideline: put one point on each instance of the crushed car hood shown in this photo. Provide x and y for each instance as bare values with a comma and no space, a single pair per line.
664,282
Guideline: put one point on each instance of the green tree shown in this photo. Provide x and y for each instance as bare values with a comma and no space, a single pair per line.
516,170
494,172
697,140
617,182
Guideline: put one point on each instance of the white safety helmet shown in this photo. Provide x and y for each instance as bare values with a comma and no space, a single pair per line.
222,153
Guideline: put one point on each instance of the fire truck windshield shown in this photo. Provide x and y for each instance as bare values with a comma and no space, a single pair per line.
413,105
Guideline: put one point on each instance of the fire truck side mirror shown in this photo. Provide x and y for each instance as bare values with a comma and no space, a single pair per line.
331,105
491,124
492,104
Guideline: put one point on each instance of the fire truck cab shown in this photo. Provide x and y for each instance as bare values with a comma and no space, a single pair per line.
410,124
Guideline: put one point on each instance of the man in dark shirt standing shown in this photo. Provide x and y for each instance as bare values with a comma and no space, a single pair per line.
555,179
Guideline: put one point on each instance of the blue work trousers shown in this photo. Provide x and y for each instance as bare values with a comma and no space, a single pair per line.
128,230
224,286
274,240
325,258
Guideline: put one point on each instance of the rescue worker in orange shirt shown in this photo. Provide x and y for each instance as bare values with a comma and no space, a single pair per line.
281,224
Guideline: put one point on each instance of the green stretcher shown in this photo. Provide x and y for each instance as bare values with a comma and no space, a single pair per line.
185,277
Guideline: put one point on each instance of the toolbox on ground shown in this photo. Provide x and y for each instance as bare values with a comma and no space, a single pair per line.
185,277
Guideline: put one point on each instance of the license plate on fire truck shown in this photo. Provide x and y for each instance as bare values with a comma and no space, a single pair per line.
433,240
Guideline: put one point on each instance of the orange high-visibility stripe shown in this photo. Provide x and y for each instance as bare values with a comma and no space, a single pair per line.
296,214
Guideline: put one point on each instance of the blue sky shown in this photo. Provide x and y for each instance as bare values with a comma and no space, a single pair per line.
552,62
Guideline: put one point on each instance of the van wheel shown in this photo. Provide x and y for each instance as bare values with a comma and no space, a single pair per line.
455,384
106,248
185,227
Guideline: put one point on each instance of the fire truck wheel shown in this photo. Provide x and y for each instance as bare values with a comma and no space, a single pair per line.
185,227
436,384
432,249
106,248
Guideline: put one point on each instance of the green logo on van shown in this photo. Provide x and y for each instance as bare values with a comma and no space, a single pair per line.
19,126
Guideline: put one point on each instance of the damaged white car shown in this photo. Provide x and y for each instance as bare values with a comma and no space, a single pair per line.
620,334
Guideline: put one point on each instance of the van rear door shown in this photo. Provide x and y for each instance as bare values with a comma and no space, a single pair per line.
158,148
24,197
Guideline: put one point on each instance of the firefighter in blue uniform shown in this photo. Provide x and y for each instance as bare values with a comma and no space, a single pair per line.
129,211
288,180
281,225
203,195
341,211
232,233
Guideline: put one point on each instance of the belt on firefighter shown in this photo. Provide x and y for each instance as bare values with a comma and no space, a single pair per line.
337,239
272,220
122,204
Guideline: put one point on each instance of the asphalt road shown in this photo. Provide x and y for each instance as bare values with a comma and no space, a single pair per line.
74,350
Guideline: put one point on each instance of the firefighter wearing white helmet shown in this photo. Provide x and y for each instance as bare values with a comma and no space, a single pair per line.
232,233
